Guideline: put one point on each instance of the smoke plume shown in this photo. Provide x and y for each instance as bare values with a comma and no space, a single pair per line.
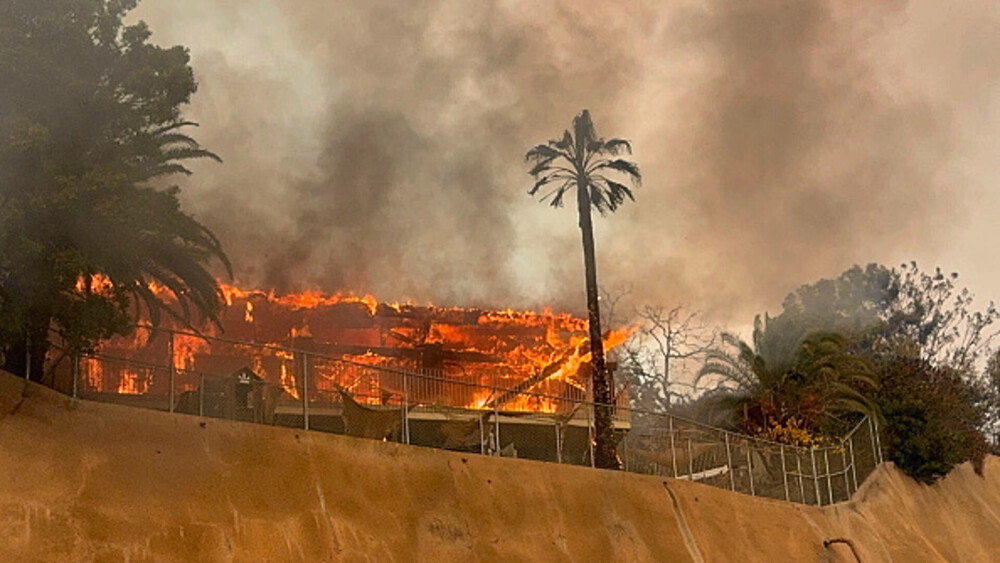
378,146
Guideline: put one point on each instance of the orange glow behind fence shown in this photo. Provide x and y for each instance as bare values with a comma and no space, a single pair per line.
462,354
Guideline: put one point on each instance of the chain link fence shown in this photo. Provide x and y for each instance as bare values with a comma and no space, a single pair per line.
301,388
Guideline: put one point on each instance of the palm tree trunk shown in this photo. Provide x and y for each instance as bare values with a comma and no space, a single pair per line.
605,455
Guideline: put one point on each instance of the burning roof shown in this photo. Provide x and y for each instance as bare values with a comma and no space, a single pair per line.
463,352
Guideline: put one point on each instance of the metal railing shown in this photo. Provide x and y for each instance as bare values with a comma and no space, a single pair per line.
312,390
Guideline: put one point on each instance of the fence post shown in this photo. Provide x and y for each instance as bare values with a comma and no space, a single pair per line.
305,391
750,470
201,394
784,472
847,478
729,461
624,444
496,419
878,440
406,411
673,448
871,434
854,464
27,357
802,485
690,462
829,480
590,431
819,499
482,435
170,352
76,374
558,443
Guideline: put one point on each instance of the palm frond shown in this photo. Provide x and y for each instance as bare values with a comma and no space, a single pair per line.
566,143
620,165
619,192
540,152
541,166
618,146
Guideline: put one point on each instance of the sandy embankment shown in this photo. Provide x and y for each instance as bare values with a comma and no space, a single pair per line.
86,481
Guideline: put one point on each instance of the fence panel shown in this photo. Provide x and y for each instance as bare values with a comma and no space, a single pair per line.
301,388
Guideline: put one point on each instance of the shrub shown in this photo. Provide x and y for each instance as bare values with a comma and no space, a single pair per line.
932,422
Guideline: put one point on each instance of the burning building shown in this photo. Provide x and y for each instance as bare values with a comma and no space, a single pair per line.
466,353
343,354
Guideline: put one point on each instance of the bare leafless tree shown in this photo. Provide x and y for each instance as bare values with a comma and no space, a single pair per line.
667,340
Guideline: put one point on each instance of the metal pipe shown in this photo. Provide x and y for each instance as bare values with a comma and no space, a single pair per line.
27,356
854,464
784,473
305,391
482,436
829,480
170,352
878,441
406,413
558,443
802,485
819,499
76,374
624,443
690,462
847,478
673,449
590,431
729,462
871,430
750,470
496,420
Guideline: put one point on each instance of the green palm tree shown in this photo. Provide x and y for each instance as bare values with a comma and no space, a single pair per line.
135,238
163,246
819,383
581,161
82,137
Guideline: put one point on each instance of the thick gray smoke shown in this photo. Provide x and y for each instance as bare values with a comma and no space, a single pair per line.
378,147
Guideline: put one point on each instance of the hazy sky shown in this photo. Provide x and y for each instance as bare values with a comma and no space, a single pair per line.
378,145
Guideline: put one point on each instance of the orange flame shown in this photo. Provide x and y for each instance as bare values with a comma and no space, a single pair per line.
132,384
185,348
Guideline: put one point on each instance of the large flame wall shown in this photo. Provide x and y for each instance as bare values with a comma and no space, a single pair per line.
459,355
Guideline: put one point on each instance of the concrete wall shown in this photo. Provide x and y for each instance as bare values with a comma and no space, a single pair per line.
84,481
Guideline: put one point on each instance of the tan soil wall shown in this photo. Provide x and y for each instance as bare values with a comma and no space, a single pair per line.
84,481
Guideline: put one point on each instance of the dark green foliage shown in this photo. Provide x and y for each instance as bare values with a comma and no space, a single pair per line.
89,115
819,388
931,420
919,332
883,311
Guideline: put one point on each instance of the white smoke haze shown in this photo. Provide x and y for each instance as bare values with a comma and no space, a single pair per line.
378,146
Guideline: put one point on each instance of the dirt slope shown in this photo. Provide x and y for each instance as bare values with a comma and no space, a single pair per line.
84,481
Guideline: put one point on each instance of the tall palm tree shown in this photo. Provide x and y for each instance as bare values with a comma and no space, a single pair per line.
581,160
